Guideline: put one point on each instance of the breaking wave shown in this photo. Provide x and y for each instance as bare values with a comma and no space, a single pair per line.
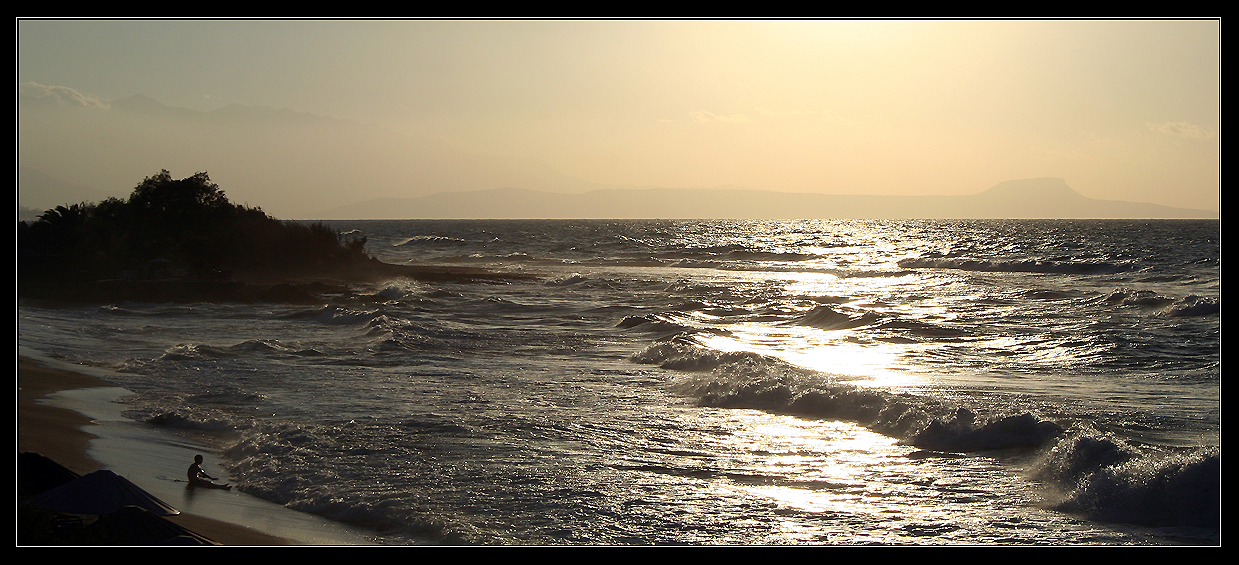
1107,478
741,379
1017,266
1100,475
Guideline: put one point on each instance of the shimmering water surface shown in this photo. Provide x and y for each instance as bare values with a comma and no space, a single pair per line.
713,382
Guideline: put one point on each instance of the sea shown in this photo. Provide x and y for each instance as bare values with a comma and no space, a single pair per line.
711,382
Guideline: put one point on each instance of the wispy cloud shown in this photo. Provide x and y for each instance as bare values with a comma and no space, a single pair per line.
1183,129
703,116
61,95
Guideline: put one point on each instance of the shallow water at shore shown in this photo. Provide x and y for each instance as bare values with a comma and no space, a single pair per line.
152,457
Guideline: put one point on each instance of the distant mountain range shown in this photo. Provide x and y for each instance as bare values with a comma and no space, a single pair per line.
1026,198
297,165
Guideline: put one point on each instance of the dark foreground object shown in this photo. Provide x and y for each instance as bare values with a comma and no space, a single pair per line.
58,507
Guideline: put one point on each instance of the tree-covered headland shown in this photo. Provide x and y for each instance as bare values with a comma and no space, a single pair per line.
180,235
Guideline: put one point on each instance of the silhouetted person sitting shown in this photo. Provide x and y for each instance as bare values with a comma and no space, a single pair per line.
199,478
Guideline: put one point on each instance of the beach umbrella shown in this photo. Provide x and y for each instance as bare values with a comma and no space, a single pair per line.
37,473
99,493
133,525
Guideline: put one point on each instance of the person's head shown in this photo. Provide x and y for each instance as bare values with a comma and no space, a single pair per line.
197,459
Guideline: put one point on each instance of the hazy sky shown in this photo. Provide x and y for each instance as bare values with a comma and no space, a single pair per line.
1125,110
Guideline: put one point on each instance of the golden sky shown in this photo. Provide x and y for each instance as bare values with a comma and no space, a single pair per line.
1122,110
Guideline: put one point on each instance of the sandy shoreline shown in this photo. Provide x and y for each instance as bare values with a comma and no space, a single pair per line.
57,433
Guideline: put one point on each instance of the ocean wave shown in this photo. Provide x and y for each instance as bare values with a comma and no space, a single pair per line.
277,462
1017,266
733,252
397,336
398,290
740,379
568,280
332,314
921,330
1132,297
191,351
204,411
1099,474
677,354
631,261
659,323
828,318
1045,294
284,462
253,346
963,432
696,289
1107,478
427,239
192,421
1193,306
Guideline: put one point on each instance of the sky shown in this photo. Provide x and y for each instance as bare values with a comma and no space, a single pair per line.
1122,110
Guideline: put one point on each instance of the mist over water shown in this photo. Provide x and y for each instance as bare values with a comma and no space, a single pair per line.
714,382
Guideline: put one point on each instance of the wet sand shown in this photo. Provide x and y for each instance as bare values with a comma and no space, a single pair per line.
58,434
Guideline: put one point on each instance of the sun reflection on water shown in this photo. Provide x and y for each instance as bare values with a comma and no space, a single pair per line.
832,353
816,466
847,345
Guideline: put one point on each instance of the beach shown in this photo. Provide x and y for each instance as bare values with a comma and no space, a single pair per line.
58,434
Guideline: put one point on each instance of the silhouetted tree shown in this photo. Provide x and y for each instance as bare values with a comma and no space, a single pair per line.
64,227
187,221
161,194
